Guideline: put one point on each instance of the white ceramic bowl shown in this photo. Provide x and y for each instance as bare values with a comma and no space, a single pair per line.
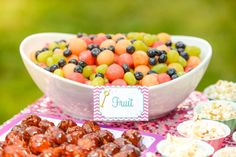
77,99
222,152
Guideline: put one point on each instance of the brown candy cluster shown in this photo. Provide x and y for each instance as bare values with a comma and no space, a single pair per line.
37,137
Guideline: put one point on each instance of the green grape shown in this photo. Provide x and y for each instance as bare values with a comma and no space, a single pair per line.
131,70
50,61
98,81
59,72
193,50
180,73
139,45
129,78
52,45
57,57
102,68
182,61
87,71
91,77
178,67
62,45
135,35
42,57
149,39
160,68
172,56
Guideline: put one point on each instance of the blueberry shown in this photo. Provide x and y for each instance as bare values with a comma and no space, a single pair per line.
62,63
159,52
120,38
82,64
132,41
92,37
152,61
37,53
138,75
73,61
126,68
99,75
95,52
151,72
111,48
184,55
78,69
102,49
152,52
180,44
171,71
47,68
62,41
53,67
130,49
67,53
108,36
168,43
163,51
162,58
90,46
79,35
180,50
174,76
44,49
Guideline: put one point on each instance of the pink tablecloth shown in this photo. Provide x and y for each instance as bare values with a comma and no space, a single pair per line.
161,126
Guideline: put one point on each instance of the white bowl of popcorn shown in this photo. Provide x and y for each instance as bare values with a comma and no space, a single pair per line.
234,136
226,152
218,110
210,131
174,146
222,90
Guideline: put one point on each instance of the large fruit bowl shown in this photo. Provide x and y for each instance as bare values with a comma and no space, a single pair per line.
76,99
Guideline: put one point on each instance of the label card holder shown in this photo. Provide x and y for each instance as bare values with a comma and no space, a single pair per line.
120,103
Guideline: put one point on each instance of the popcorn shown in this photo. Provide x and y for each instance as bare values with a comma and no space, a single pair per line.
218,111
178,146
223,90
202,130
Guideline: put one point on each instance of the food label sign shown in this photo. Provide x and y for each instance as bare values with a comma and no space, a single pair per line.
120,103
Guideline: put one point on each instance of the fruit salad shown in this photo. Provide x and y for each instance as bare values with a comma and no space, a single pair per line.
118,59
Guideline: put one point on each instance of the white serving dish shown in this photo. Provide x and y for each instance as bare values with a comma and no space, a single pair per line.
77,99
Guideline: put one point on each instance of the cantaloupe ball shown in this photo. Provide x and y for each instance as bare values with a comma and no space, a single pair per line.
117,36
68,69
121,46
105,57
140,58
77,45
193,61
164,37
107,43
149,80
142,68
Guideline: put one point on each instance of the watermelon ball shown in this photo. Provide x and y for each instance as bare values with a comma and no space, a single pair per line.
78,77
163,77
105,57
77,45
150,80
87,57
114,71
126,59
140,58
99,39
119,82
120,47
87,40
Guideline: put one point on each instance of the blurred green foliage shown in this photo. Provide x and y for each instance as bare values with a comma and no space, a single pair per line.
213,20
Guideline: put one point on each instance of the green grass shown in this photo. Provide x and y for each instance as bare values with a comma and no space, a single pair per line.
208,19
